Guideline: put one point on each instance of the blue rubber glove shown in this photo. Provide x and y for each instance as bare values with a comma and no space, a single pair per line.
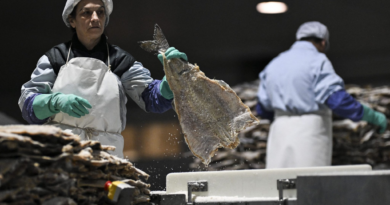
165,90
374,117
47,105
172,53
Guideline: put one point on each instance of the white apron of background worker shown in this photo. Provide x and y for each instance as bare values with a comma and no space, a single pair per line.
298,90
92,80
300,140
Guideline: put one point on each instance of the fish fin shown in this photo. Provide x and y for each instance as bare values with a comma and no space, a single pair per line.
149,46
158,45
160,39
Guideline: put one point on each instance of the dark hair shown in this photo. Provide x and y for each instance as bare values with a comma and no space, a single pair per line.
312,39
73,15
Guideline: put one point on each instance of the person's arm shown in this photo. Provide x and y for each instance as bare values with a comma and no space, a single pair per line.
151,95
263,113
329,90
42,81
326,82
37,101
344,105
155,101
145,91
264,108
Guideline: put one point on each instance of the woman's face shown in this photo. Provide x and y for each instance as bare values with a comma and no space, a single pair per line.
90,19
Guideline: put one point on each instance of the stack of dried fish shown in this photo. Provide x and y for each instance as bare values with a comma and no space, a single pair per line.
353,143
44,165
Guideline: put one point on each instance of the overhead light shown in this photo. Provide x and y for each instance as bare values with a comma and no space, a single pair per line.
272,7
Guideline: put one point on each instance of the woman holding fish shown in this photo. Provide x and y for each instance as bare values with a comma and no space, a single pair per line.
81,85
299,89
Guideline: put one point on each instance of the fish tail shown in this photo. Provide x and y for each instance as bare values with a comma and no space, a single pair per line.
158,45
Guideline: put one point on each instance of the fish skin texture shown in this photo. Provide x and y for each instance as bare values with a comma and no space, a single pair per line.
210,113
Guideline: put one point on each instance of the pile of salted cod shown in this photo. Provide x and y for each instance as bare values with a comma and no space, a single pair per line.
210,113
353,142
44,165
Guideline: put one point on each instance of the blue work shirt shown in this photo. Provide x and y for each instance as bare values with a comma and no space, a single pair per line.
298,81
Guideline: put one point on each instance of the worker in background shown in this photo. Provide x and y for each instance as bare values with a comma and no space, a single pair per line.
298,90
81,85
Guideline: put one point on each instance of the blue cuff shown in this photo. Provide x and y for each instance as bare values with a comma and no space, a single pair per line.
28,112
344,105
154,101
263,113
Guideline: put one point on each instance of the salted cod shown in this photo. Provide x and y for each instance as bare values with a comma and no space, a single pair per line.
210,113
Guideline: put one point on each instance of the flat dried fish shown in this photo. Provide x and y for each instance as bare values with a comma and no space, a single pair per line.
43,133
137,183
9,193
8,165
60,201
141,199
33,130
210,113
12,143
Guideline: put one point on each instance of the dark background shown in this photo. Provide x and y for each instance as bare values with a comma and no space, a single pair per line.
229,39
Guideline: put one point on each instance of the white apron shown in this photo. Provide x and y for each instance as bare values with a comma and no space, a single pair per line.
92,80
300,140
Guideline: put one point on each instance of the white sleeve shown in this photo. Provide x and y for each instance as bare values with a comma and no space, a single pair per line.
135,80
327,82
262,93
42,80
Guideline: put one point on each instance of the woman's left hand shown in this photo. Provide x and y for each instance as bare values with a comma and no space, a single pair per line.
171,53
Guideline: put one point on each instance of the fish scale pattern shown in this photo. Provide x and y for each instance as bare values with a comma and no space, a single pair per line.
211,115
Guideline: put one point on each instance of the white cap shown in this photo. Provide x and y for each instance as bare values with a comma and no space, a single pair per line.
71,4
313,29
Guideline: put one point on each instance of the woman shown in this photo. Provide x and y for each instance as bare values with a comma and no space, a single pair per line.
80,85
